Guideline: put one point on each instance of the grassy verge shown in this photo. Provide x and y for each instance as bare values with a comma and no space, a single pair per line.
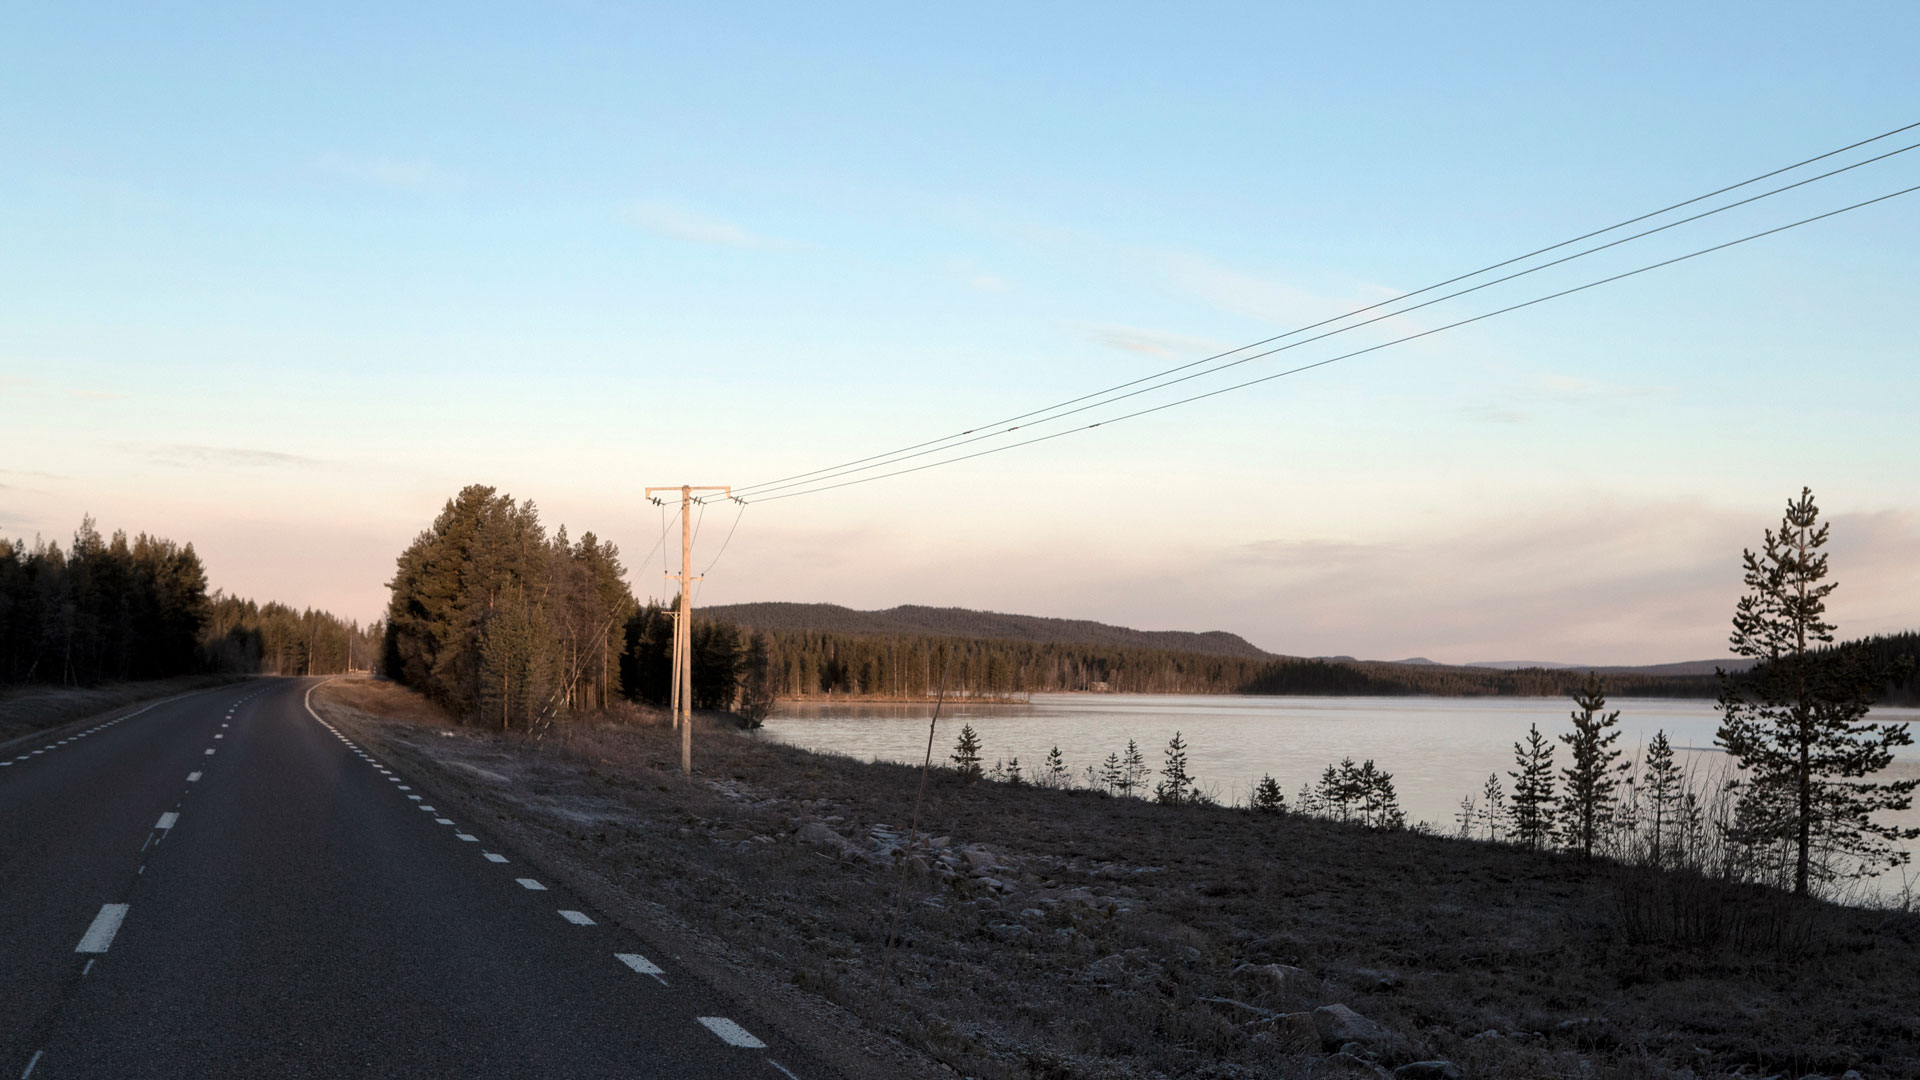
1066,934
26,709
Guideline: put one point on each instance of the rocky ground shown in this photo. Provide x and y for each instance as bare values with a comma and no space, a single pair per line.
1066,934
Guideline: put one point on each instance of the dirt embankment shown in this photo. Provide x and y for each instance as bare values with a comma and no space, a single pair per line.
25,709
1066,934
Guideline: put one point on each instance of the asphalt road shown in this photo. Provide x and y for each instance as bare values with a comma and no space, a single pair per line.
221,885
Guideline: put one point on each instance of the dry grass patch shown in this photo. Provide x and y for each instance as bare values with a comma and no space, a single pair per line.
25,709
1066,934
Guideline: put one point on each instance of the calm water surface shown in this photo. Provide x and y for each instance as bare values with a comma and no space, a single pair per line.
1437,749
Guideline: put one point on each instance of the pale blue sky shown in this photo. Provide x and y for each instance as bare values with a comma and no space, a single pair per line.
280,283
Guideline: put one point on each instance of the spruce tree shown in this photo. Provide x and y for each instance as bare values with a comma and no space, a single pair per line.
1267,796
1133,769
1176,787
1533,801
1593,777
966,754
1796,723
1055,774
1013,772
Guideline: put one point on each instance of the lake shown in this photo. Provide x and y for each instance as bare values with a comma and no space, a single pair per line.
1438,749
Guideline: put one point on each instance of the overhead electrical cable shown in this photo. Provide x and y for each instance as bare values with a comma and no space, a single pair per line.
1117,397
936,443
1349,355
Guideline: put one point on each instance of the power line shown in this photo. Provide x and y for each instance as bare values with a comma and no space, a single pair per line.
784,481
729,539
952,444
1357,352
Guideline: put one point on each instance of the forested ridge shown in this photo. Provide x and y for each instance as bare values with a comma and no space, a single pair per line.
813,662
913,620
110,608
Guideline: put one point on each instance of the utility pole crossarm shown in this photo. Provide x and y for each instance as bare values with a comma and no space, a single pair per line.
682,701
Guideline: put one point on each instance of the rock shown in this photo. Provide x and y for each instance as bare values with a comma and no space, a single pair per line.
1033,913
1428,1070
979,858
1107,969
821,836
1188,953
1005,931
1279,976
1338,1024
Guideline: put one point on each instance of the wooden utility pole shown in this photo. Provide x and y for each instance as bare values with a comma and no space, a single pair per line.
683,620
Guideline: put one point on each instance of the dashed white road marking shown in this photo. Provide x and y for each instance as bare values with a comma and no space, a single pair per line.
529,883
105,925
442,821
415,798
731,1033
465,836
784,1071
209,749
219,735
167,820
491,857
577,918
428,809
89,966
408,787
193,777
641,964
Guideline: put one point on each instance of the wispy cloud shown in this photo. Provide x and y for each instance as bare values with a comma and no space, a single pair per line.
185,454
1164,344
677,221
988,283
1260,298
388,173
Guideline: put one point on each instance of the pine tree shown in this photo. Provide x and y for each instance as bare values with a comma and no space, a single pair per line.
966,754
1176,787
1660,785
1493,806
1331,796
757,689
1593,778
1013,772
1267,796
1533,800
1306,801
1796,722
1055,774
1112,774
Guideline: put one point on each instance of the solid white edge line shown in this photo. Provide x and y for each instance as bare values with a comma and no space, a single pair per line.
784,1071
30,1064
731,1033
100,934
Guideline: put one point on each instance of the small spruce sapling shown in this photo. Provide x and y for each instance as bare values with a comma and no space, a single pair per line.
966,754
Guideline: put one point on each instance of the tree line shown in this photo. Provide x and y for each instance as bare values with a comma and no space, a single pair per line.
495,620
114,608
809,663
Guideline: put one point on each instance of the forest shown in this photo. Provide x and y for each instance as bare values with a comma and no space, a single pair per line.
114,609
806,663
495,620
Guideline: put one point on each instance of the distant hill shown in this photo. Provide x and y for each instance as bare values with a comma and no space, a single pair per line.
914,619
1683,667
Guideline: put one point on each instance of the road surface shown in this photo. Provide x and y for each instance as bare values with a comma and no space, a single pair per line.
222,885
